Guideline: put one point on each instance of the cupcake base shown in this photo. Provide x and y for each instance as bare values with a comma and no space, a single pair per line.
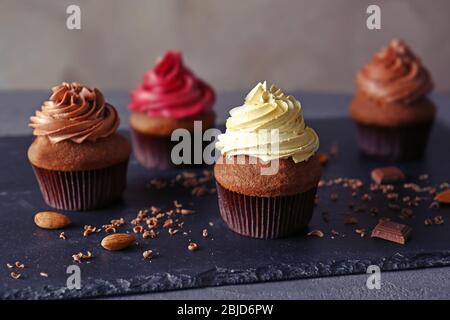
154,152
82,190
396,144
266,217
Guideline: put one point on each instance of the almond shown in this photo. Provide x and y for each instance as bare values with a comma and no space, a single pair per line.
443,197
118,241
51,220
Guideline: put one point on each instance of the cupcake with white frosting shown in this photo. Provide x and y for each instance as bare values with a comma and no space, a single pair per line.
268,172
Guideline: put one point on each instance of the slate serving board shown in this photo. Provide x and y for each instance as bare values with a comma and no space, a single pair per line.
224,257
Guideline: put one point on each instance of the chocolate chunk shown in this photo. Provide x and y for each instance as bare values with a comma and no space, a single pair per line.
443,197
392,231
387,175
323,158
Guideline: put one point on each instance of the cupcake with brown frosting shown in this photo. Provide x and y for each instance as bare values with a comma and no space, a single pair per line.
79,160
391,108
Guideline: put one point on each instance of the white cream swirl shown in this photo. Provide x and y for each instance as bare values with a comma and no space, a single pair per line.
268,126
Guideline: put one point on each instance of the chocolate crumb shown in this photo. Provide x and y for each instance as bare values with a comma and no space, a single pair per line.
192,246
361,232
141,215
316,233
177,204
158,184
88,230
199,191
392,196
43,274
434,205
334,150
110,229
394,206
334,197
155,210
148,254
359,209
152,222
323,158
149,234
168,223
438,220
351,220
406,213
80,256
334,232
118,222
15,275
205,233
186,211
161,215
444,185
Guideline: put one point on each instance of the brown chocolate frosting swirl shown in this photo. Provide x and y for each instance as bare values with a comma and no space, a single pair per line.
394,74
75,112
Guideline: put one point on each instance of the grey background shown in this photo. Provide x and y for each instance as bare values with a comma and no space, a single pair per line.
298,44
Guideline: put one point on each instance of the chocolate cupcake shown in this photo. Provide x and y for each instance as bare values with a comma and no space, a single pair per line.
268,172
391,109
170,97
79,160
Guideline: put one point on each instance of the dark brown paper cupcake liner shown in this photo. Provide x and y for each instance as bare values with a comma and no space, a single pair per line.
266,217
82,190
403,143
154,152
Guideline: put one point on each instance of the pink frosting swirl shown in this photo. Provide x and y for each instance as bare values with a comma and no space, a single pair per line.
171,90
394,74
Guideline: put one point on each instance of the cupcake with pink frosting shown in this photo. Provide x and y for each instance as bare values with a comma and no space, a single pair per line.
170,97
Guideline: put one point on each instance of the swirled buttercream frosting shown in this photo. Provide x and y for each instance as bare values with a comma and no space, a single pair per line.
394,74
268,126
171,90
75,112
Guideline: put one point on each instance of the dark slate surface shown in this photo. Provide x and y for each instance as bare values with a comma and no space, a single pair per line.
224,257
